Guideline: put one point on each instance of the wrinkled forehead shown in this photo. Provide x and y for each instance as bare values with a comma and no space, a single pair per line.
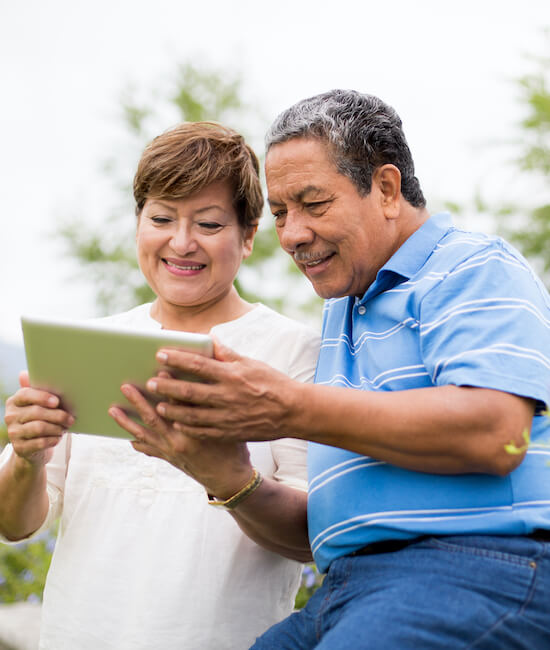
298,165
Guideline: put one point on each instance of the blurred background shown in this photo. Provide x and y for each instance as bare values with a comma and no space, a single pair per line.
86,85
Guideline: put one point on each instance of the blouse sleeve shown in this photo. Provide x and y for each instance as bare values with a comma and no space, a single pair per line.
56,471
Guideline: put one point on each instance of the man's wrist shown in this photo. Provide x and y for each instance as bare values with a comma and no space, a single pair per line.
297,415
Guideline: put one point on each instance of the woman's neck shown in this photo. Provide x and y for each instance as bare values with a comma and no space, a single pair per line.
199,318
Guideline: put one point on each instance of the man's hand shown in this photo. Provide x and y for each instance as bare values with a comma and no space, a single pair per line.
236,398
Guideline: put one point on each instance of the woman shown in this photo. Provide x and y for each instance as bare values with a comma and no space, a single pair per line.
142,559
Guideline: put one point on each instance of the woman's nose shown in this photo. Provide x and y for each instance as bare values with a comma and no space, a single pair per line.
183,241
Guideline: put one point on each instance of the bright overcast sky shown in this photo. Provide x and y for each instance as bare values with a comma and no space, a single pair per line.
447,68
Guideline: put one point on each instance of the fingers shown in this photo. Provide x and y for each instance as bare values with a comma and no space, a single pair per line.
191,392
27,415
194,417
144,409
146,449
185,364
223,353
123,420
32,413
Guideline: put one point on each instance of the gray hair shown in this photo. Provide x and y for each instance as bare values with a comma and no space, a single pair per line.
362,134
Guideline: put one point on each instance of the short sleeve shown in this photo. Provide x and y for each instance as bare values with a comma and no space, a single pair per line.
290,456
487,324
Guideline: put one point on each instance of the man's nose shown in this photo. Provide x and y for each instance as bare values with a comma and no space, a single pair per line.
295,232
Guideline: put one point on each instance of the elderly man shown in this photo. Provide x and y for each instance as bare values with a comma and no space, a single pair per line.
426,509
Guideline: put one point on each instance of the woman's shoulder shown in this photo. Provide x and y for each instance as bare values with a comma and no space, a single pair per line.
274,320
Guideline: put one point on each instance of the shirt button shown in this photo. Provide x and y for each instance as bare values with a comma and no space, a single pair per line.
361,310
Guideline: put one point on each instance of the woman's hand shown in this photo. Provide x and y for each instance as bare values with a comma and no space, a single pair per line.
35,422
221,467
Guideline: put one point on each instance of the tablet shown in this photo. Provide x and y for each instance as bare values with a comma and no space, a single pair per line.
84,363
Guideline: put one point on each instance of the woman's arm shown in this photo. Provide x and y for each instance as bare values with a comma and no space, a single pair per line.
274,515
35,427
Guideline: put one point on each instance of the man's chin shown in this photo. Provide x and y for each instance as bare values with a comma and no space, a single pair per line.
326,292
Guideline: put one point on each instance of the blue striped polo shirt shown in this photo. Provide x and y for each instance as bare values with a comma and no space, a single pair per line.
450,307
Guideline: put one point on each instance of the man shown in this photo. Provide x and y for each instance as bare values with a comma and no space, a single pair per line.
434,366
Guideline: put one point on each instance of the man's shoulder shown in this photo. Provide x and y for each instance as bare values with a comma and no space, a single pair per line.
458,245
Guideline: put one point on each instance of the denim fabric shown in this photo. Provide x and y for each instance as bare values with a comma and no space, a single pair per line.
482,592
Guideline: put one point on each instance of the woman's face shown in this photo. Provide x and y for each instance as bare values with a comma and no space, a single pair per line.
191,249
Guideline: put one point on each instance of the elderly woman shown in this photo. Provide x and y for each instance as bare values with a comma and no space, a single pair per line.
144,557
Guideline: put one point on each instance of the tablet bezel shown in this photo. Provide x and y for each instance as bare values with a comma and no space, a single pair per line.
85,362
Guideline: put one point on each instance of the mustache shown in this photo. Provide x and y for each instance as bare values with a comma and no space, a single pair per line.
310,256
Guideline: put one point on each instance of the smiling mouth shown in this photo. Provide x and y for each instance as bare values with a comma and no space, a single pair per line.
312,263
184,267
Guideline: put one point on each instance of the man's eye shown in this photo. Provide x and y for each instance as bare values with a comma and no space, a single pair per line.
316,206
279,214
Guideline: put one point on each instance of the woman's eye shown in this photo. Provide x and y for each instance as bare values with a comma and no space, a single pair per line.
160,220
210,225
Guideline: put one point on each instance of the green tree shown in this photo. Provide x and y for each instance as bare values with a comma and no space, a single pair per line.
3,428
105,252
526,221
533,235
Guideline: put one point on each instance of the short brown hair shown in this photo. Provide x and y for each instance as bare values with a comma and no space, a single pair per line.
192,155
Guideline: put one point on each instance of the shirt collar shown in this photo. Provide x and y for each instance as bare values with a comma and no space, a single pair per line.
410,257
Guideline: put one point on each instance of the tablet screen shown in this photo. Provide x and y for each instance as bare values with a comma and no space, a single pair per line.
85,363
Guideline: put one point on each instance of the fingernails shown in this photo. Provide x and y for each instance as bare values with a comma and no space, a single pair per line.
53,401
152,385
162,356
161,409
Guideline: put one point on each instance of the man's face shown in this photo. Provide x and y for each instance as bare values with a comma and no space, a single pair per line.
338,238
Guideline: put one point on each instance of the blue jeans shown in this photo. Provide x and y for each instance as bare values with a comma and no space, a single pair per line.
477,592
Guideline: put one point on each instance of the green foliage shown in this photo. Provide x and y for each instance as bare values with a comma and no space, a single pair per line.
23,568
528,226
311,581
3,429
526,222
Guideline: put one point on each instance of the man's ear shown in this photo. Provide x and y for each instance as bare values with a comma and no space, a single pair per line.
388,179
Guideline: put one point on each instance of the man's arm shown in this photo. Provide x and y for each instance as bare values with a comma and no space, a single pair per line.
447,429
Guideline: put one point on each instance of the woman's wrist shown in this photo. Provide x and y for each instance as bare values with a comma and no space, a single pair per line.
231,497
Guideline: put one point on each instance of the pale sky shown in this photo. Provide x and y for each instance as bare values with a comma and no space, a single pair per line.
447,68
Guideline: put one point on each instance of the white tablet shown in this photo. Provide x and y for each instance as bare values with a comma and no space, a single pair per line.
85,363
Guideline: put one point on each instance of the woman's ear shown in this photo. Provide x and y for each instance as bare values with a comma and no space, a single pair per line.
248,240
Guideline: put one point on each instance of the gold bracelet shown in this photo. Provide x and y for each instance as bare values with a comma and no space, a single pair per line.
241,495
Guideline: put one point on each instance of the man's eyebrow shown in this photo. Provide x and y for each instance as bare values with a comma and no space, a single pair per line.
299,196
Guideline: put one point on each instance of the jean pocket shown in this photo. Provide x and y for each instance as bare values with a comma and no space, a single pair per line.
518,551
